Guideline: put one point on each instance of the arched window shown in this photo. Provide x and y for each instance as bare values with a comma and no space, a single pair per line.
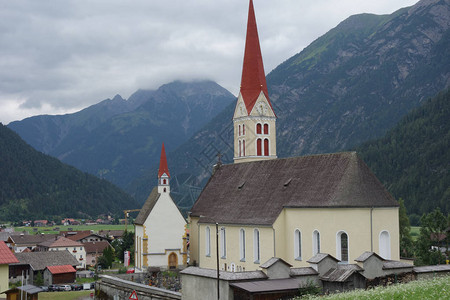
242,244
239,130
240,148
385,245
258,128
243,129
256,250
207,241
342,246
297,245
266,128
258,147
243,147
223,243
266,147
164,181
316,242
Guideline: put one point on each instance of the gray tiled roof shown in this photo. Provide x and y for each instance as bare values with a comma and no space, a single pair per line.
341,273
224,275
256,192
272,261
303,271
148,206
319,257
429,269
31,239
40,260
363,257
393,264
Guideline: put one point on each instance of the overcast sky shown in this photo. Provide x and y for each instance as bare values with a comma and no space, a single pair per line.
61,56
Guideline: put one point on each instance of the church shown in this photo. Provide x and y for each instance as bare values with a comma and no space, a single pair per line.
160,228
293,209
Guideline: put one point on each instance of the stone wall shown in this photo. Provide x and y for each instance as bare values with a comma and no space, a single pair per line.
112,288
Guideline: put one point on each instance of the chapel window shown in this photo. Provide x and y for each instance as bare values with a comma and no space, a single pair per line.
242,244
243,147
207,241
240,148
239,130
385,245
243,129
223,246
266,128
342,246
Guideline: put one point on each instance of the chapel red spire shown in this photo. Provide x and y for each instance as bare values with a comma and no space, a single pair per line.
163,168
253,77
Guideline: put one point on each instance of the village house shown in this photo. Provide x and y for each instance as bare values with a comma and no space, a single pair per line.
94,250
64,244
59,274
160,226
31,263
20,242
6,258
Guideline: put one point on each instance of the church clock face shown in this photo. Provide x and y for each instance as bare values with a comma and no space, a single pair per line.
262,108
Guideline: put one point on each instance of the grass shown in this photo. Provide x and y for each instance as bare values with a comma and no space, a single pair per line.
436,288
95,228
64,295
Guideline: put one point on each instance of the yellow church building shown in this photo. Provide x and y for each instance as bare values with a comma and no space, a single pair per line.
290,208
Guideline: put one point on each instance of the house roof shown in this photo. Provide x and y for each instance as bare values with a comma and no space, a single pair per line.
319,257
253,80
224,275
365,256
303,271
61,269
28,289
272,261
96,247
60,242
341,273
393,264
148,206
79,235
273,285
256,192
41,260
112,233
163,167
31,239
6,255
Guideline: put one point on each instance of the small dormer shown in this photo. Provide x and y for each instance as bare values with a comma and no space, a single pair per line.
163,173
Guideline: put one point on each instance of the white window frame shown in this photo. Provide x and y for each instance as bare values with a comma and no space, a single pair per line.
339,246
207,241
242,244
256,246
223,243
384,244
316,242
297,244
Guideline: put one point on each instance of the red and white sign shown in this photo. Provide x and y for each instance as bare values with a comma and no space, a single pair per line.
133,296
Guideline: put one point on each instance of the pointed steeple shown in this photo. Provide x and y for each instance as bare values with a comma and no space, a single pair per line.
253,80
254,119
163,168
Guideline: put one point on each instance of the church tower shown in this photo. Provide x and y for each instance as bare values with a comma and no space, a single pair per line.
163,173
254,118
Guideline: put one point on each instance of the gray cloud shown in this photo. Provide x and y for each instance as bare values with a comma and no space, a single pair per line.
61,56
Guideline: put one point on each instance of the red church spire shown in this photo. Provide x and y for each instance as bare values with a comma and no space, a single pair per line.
253,78
163,168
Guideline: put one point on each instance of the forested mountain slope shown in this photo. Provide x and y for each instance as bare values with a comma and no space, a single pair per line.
34,186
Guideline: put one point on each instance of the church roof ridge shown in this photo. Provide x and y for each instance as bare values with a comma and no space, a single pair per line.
163,167
253,80
148,206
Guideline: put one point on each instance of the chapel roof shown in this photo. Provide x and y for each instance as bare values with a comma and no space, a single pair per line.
163,167
148,206
253,80
256,192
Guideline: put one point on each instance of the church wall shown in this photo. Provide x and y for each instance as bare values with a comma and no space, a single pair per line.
233,247
329,221
165,227
138,235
